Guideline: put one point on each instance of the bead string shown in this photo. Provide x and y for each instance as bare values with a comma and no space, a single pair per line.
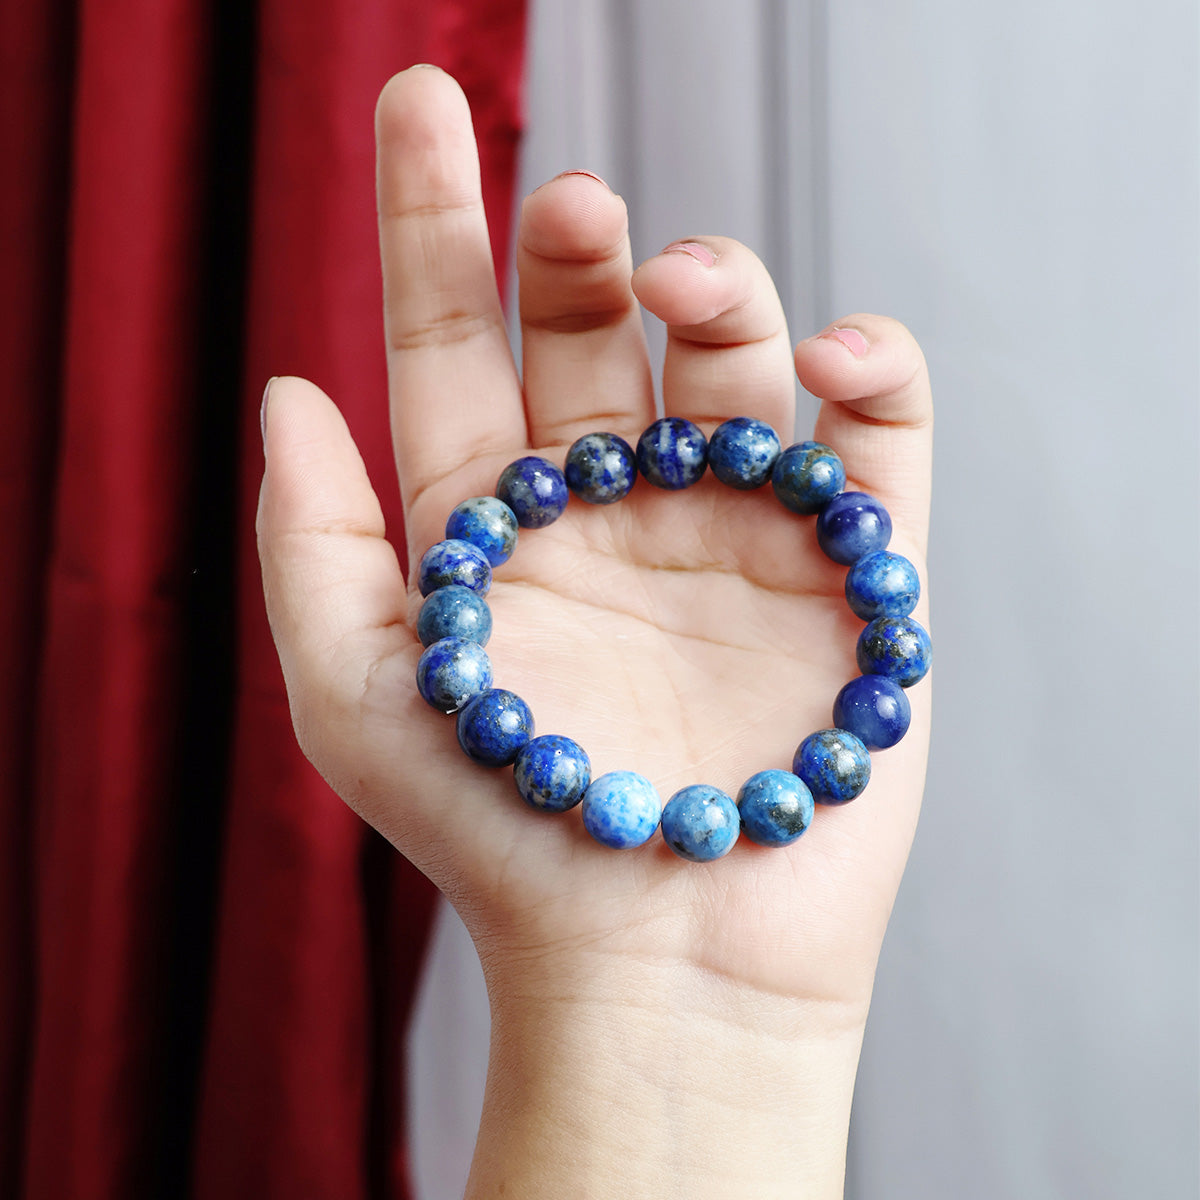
622,809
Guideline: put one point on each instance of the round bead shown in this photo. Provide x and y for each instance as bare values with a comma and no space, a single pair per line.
834,764
875,709
882,584
454,611
534,489
700,823
601,468
487,523
672,453
776,807
742,452
454,561
621,809
897,647
807,476
851,525
552,773
494,726
451,671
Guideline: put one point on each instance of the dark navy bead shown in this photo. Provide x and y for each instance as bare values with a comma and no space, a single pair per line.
672,453
601,468
742,452
451,671
621,809
875,709
487,523
834,764
454,611
552,773
807,476
534,489
776,807
882,584
897,647
851,525
700,823
454,561
494,726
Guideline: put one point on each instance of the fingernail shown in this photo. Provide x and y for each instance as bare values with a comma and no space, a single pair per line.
701,253
850,338
262,412
588,174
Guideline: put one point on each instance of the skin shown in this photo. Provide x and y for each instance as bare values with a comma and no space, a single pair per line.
659,1028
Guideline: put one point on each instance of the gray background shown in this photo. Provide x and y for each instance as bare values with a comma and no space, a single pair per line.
1018,182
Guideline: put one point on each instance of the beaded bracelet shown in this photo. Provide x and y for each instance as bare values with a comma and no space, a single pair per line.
622,808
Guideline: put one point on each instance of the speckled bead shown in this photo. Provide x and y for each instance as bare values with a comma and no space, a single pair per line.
875,709
454,561
897,647
834,765
601,468
552,773
883,584
776,807
742,452
454,611
700,823
487,523
851,525
807,476
493,726
534,489
621,809
672,453
451,671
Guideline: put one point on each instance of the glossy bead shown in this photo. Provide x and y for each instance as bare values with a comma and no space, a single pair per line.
807,476
672,453
851,525
534,489
776,807
487,523
700,823
601,468
621,809
451,671
897,647
875,709
742,452
834,764
454,561
882,584
493,726
552,773
454,611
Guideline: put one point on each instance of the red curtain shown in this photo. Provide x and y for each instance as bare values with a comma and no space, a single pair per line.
207,962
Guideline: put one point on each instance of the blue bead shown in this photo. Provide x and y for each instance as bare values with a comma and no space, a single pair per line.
494,726
834,764
897,647
534,489
851,525
882,584
875,709
451,671
672,453
454,611
621,809
601,468
552,773
807,476
700,823
776,808
742,452
454,561
487,523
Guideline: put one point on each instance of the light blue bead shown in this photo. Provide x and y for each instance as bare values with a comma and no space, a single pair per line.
883,584
807,476
451,671
454,561
672,453
601,468
454,611
487,523
851,525
534,489
875,709
621,809
700,823
897,647
742,452
776,807
552,773
493,726
834,764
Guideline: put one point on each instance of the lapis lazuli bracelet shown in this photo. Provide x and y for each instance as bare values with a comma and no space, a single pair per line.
622,809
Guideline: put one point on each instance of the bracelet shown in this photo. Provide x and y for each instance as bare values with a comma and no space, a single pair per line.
622,809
